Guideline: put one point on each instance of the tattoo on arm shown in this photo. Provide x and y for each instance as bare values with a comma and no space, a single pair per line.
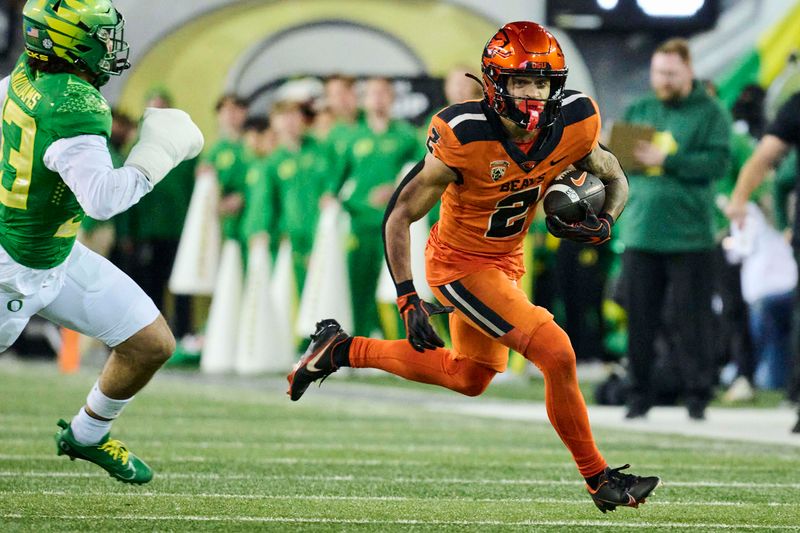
605,166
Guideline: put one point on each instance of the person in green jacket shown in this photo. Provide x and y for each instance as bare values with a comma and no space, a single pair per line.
284,198
228,158
260,140
376,152
668,228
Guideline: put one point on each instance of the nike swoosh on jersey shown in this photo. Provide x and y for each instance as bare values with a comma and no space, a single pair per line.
311,365
578,182
554,162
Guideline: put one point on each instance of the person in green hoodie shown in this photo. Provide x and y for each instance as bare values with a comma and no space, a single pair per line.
668,230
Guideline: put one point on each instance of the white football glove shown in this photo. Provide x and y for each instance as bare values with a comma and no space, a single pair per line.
166,137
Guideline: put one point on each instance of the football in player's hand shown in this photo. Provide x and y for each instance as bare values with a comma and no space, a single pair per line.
566,192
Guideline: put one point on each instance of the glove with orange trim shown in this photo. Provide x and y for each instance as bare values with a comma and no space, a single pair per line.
593,229
416,314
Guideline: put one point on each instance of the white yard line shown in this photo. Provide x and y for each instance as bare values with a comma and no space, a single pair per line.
410,480
438,499
768,426
313,520
256,460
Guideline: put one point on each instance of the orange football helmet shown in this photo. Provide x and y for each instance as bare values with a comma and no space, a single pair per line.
523,49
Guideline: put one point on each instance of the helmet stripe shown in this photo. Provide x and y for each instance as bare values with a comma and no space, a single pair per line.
62,27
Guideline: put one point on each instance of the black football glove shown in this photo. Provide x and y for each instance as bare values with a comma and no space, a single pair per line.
593,229
415,313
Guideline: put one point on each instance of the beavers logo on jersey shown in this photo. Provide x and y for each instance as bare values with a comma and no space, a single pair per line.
498,169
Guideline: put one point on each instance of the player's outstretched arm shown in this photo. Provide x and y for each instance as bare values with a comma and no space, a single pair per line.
596,228
768,153
414,198
166,138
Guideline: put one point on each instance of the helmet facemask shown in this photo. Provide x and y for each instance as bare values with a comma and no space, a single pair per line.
112,53
529,113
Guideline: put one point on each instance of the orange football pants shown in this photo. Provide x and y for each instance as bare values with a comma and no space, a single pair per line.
492,314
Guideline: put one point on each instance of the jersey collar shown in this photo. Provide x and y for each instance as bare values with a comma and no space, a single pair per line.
545,144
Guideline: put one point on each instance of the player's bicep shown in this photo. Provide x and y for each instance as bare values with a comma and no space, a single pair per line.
602,164
421,188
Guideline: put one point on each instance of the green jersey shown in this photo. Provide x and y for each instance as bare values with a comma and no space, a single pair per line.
39,214
373,160
285,198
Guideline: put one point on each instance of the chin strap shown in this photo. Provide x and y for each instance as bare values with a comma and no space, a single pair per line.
474,77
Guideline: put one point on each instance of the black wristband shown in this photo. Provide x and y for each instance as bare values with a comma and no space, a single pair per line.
608,217
404,288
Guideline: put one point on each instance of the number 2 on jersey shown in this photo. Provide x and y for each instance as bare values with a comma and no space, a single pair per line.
509,218
21,160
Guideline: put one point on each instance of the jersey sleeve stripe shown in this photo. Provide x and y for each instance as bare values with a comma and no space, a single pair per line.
577,107
477,311
466,116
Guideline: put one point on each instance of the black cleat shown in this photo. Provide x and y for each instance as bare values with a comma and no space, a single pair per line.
618,489
317,362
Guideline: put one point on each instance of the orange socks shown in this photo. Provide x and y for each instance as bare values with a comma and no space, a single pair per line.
551,351
437,367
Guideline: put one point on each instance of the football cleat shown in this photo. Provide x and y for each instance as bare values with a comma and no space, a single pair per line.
618,489
109,454
317,362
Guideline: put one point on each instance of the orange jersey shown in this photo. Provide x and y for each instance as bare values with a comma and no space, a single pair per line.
485,214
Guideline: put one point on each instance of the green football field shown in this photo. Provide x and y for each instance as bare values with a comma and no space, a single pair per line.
235,455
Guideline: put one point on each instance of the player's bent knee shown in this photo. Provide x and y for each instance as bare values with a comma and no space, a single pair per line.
151,346
474,380
551,350
474,388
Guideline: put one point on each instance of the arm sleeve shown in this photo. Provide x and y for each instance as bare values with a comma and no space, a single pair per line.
445,147
84,163
708,158
338,152
786,125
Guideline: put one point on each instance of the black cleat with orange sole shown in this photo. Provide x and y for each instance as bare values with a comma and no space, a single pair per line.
618,489
317,362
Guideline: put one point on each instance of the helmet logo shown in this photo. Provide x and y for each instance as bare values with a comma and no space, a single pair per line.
497,169
47,43
497,46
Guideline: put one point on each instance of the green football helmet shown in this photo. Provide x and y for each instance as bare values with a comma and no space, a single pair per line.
84,33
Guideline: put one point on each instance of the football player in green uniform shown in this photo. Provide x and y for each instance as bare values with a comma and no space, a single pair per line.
56,169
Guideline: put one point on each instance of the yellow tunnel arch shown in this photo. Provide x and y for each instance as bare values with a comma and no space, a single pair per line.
193,61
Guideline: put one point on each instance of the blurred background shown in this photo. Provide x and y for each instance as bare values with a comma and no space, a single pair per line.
285,93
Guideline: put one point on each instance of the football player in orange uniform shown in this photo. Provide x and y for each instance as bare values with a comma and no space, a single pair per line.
490,162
